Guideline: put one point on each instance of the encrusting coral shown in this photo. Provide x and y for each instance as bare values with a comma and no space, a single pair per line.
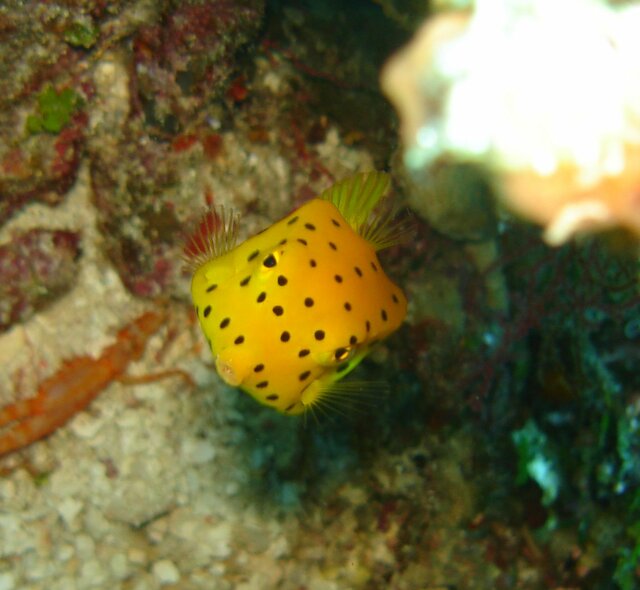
557,122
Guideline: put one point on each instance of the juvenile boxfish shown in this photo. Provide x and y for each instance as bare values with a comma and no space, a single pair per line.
295,308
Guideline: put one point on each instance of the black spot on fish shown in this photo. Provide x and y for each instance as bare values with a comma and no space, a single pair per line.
289,407
394,298
310,226
277,309
285,336
292,220
374,267
239,340
368,325
304,352
358,271
269,261
338,278
224,323
261,297
253,255
258,368
333,246
304,376
303,242
244,282
282,242
272,397
282,280
207,311
383,315
347,306
211,288
335,222
262,384
312,263
319,334
308,302
353,340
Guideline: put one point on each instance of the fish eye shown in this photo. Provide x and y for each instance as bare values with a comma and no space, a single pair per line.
342,354
270,261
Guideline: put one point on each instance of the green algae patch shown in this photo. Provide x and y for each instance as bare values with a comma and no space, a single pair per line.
54,110
82,35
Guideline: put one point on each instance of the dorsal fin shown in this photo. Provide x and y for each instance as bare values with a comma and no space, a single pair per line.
215,234
361,201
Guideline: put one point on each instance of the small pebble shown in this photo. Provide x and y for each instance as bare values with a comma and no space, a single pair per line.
119,566
85,546
85,426
7,581
198,451
166,572
69,508
93,572
64,552
137,556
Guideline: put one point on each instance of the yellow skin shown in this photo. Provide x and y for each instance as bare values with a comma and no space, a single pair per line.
296,307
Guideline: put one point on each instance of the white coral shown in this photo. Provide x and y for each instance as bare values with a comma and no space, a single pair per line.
545,89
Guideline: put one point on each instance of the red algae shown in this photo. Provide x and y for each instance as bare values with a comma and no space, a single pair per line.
212,144
185,63
181,70
36,267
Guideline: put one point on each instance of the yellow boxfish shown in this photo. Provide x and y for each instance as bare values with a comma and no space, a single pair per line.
296,307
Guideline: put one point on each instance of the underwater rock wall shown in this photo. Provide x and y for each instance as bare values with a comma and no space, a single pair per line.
504,453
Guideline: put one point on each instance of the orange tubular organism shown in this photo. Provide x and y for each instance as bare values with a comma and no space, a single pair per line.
76,383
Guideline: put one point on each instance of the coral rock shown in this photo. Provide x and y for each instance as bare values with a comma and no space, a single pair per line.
35,267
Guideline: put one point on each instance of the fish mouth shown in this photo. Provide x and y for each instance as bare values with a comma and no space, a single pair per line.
226,372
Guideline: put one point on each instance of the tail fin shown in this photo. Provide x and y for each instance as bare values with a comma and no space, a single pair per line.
361,199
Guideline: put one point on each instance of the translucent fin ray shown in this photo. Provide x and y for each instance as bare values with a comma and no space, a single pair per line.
215,234
386,227
348,397
361,199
